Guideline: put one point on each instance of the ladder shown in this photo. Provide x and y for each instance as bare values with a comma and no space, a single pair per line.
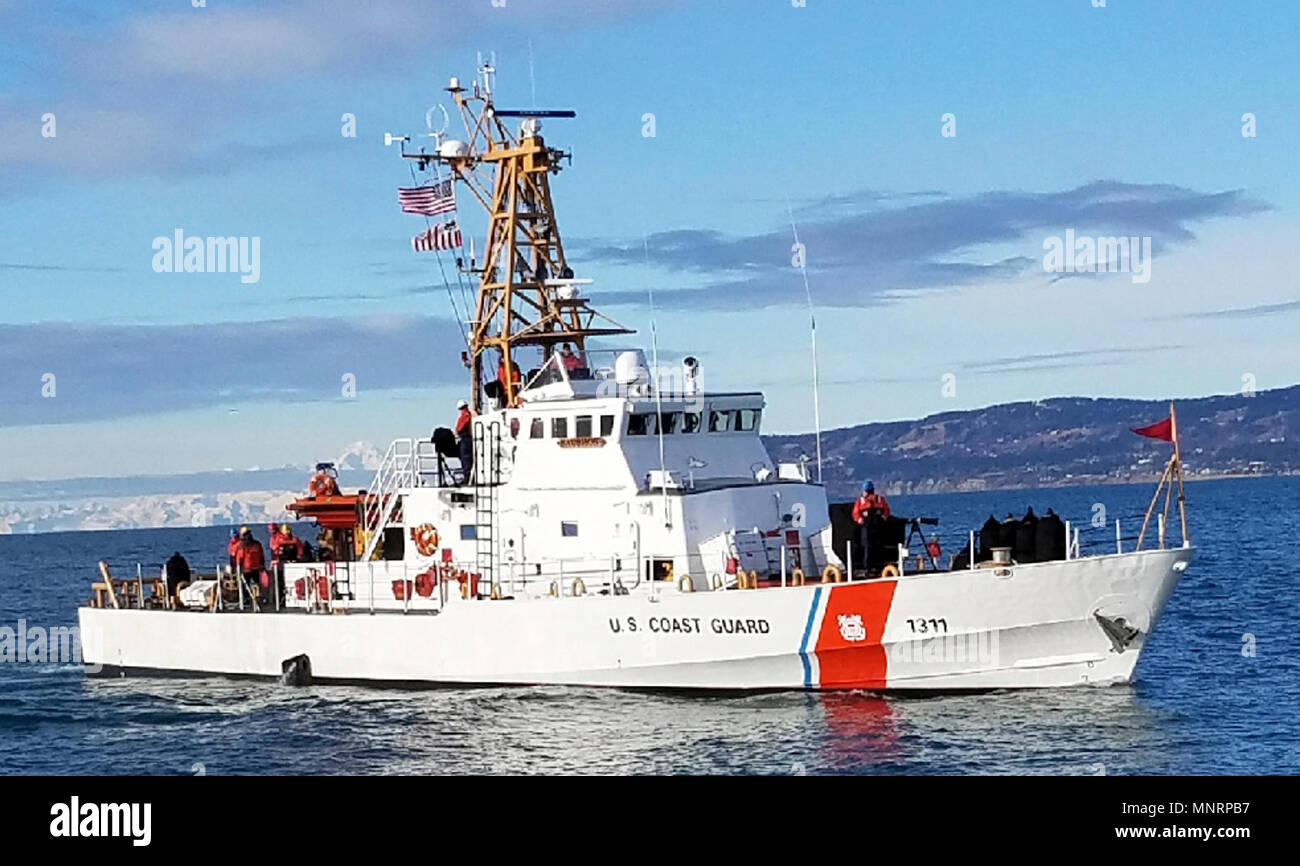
487,475
383,499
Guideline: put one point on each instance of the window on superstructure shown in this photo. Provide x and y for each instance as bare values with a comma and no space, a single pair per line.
640,424
537,430
582,426
719,422
606,425
668,423
691,422
569,529
746,419
468,532
559,428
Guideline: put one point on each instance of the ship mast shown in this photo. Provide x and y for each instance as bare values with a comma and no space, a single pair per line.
527,294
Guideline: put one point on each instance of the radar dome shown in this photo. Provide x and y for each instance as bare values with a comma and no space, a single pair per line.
453,148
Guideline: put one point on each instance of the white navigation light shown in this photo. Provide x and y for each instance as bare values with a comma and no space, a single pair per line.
453,148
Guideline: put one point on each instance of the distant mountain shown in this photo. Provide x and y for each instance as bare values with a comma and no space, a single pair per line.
1075,440
148,511
359,455
146,501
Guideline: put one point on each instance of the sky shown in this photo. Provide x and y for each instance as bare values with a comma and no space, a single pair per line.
925,153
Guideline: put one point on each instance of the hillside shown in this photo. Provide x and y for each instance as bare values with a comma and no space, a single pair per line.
1061,440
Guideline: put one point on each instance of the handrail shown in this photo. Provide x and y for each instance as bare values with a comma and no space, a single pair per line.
395,472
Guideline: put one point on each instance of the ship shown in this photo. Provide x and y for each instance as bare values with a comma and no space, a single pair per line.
605,520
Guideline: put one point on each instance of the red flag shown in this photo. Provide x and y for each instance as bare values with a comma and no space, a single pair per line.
1163,430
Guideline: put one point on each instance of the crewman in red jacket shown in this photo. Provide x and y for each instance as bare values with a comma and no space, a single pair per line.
868,508
284,545
232,548
516,380
250,558
464,431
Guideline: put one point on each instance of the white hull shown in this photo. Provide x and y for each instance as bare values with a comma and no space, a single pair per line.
1025,626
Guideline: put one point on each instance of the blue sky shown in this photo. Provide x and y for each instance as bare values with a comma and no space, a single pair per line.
924,251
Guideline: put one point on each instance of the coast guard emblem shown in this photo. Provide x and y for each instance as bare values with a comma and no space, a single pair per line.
851,627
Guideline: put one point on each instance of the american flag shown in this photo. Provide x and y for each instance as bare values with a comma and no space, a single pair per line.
443,237
432,200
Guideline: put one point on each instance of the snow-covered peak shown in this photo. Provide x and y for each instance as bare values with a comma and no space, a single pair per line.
359,455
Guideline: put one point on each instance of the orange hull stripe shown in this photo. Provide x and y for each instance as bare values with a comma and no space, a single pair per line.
848,647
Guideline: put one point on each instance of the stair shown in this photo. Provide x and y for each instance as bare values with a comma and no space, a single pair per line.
383,499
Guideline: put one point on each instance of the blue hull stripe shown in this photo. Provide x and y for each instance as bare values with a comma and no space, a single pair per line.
807,632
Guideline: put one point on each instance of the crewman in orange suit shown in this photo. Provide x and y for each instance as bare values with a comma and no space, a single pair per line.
250,558
869,507
515,378
232,548
464,440
284,546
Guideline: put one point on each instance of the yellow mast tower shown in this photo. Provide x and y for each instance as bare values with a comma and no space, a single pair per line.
527,295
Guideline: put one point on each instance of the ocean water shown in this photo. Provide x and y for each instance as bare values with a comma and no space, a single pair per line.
1199,705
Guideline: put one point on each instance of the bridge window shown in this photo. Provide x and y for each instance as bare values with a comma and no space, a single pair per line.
559,428
746,419
640,425
582,426
691,422
606,425
719,422
668,423
537,430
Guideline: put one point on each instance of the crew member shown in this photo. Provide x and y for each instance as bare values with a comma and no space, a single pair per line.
570,361
284,548
250,558
232,548
869,507
515,380
465,441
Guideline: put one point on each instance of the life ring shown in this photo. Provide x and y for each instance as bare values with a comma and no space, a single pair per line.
496,592
322,485
579,588
751,579
425,538
555,590
832,574
797,577
890,570
686,584
716,582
